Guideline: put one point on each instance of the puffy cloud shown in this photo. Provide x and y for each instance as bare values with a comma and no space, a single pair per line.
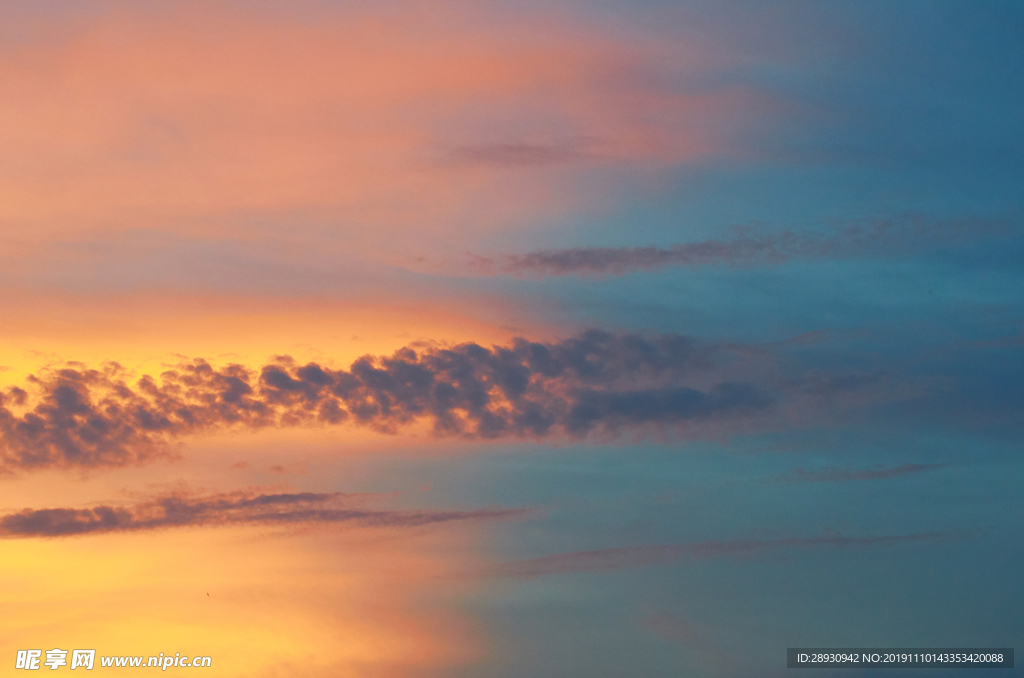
596,383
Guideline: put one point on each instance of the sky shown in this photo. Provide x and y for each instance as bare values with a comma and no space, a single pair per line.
584,338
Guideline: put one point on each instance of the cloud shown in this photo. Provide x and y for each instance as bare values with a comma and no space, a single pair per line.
226,509
593,384
745,247
607,560
228,107
835,475
699,639
520,154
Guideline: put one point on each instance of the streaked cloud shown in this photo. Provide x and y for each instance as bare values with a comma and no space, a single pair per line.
837,475
224,509
521,154
698,639
607,560
747,247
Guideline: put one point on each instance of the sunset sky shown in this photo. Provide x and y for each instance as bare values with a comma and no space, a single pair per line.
575,339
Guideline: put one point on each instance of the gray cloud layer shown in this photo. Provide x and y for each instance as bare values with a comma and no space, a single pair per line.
607,560
224,509
597,382
879,237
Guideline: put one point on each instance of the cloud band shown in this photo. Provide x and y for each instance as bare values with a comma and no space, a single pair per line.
594,382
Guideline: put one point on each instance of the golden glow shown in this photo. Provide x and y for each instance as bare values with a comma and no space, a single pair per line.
338,602
149,332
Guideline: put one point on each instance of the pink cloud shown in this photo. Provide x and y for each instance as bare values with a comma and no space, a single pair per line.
415,119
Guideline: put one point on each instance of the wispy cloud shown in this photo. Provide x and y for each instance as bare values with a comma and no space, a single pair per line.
837,475
224,509
521,154
745,247
700,640
592,383
606,560
234,93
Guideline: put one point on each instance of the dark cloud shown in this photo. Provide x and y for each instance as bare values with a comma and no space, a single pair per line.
745,247
224,509
596,383
607,560
836,475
